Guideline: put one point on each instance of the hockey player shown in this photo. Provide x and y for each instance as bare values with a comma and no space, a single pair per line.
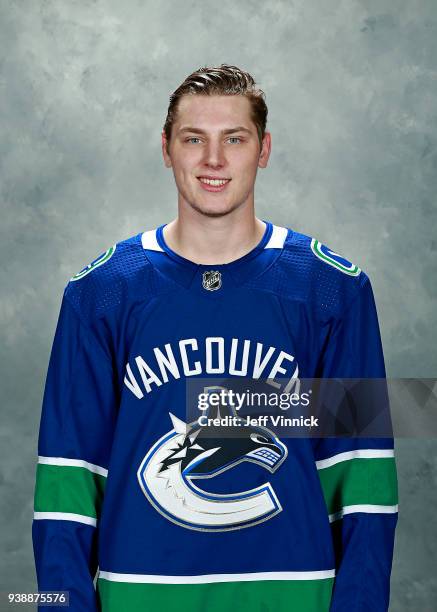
135,507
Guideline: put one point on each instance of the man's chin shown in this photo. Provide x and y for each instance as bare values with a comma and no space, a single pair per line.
218,210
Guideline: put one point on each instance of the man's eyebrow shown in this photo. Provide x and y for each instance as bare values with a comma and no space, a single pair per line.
194,130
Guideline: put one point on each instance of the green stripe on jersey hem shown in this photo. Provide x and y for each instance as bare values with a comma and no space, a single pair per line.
69,489
256,596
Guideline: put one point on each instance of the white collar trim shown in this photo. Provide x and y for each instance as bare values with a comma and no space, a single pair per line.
149,241
277,239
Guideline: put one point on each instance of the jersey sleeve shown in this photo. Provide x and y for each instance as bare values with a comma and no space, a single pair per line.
76,428
358,474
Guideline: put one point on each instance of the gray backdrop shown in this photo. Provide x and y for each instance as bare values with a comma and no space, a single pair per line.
351,88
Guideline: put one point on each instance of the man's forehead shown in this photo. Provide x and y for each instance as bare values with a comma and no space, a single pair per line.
203,111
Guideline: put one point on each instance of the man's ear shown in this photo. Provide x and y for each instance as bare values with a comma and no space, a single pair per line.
265,150
165,155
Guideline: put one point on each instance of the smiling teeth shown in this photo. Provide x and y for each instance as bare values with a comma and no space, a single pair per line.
215,182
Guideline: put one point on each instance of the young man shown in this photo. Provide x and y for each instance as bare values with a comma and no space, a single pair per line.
216,292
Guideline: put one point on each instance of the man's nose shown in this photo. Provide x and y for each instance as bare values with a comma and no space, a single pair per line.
214,154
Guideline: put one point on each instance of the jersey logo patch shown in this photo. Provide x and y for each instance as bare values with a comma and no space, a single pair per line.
99,261
334,259
185,453
212,280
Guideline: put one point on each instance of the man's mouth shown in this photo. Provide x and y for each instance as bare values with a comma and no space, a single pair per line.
213,184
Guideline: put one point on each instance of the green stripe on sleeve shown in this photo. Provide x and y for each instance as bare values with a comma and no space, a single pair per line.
68,489
359,481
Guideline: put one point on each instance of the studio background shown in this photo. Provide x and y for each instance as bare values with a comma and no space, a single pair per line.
351,88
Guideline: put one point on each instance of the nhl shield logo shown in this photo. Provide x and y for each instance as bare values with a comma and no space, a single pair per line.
212,280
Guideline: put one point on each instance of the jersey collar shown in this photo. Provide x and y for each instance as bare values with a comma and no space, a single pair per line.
234,273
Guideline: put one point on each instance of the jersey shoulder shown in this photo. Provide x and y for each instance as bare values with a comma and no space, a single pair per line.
313,272
110,278
309,252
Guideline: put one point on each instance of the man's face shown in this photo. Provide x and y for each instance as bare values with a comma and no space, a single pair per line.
214,137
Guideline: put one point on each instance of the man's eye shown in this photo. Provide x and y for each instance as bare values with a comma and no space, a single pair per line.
233,139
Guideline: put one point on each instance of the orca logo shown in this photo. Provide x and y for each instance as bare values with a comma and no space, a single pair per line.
183,454
212,280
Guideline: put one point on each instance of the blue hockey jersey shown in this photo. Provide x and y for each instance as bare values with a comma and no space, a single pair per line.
313,532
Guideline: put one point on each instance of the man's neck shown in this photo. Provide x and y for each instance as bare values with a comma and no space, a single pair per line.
214,240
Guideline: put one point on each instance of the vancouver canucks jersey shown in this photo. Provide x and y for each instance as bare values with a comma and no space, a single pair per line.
137,509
